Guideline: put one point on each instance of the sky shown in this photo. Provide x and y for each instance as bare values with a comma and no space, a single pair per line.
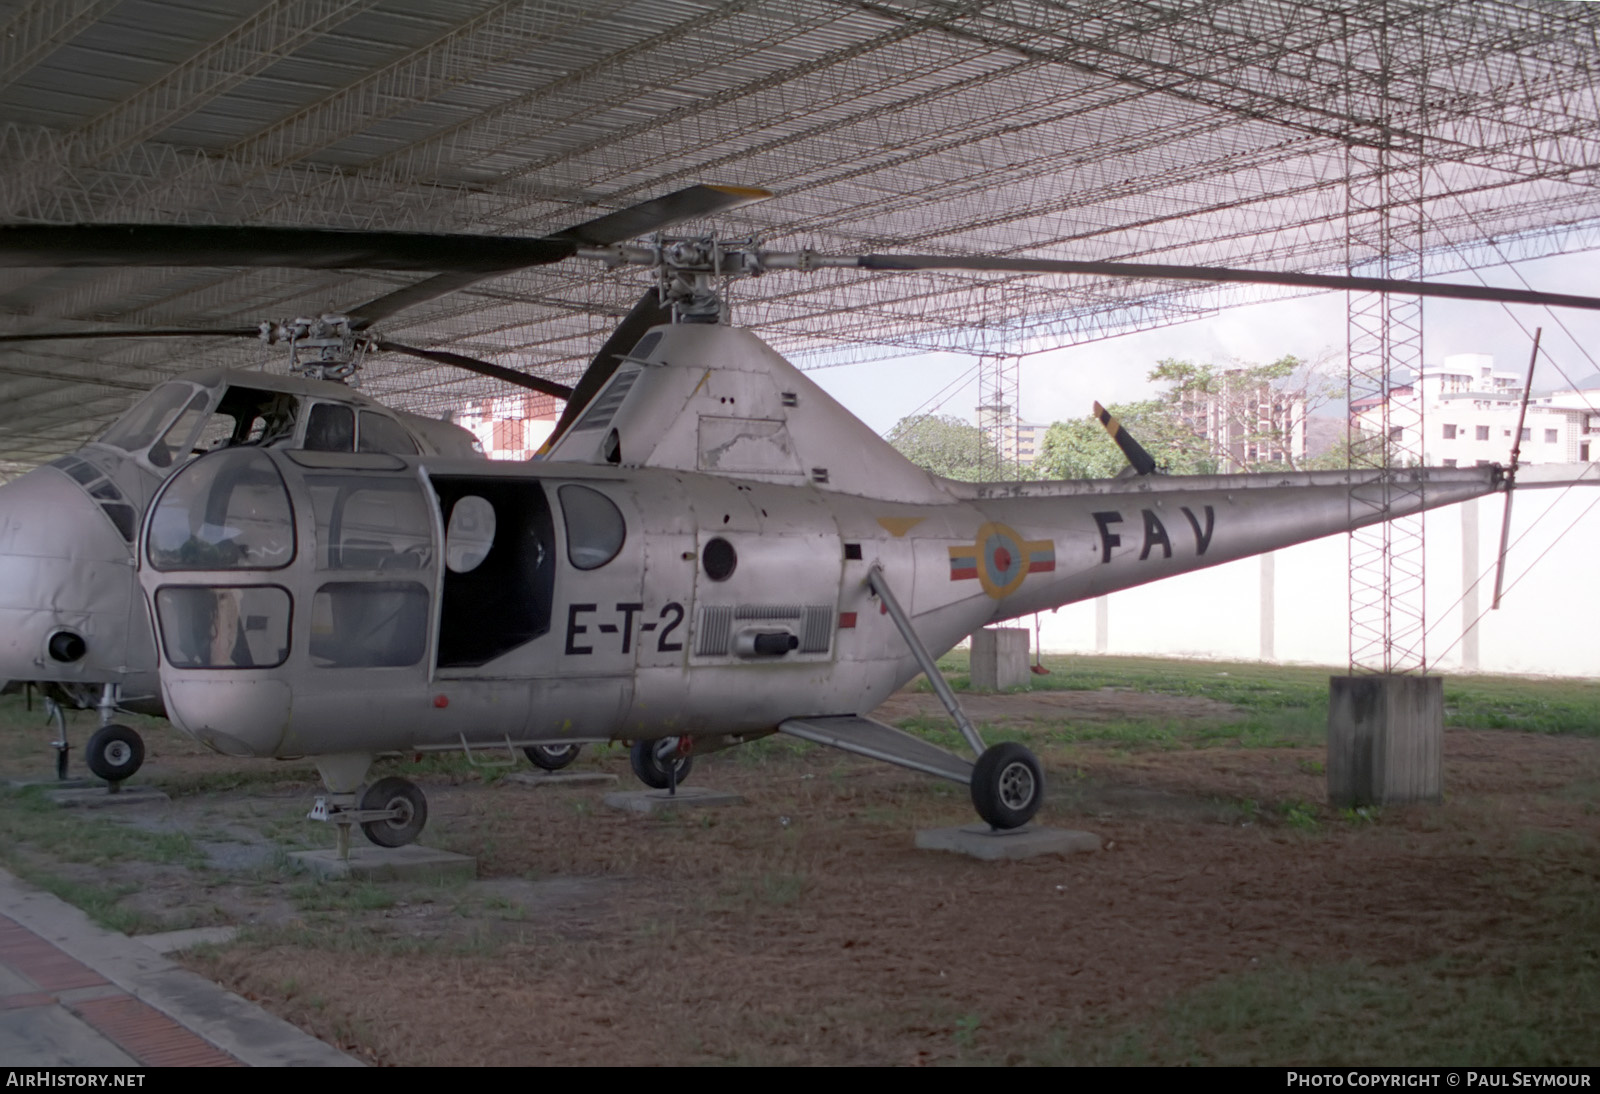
1060,384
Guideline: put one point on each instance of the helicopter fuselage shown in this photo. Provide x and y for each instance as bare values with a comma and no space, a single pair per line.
312,603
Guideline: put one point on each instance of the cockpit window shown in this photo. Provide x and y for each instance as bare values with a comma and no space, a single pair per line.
381,433
330,428
178,441
228,511
595,528
142,424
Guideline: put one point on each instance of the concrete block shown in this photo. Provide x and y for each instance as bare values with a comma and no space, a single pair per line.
1385,740
981,841
569,780
659,801
370,863
100,797
1000,659
174,941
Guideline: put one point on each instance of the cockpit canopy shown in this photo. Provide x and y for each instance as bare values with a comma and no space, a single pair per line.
192,416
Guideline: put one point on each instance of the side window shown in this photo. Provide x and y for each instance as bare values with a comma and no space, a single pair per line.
595,528
330,428
369,624
220,627
371,523
381,433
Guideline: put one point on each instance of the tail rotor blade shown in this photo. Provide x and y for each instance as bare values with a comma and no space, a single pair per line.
1143,463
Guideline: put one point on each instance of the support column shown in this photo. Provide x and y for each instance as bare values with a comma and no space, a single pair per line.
1385,740
1000,659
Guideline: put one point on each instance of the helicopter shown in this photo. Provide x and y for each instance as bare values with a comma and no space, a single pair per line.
708,550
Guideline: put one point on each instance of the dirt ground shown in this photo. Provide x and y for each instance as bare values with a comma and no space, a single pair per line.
802,926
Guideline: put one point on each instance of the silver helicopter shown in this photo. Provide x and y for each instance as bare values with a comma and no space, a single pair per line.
72,618
712,550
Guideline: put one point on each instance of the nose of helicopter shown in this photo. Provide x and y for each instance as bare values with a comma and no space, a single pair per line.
69,605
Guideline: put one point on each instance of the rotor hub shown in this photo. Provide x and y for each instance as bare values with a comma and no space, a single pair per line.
325,347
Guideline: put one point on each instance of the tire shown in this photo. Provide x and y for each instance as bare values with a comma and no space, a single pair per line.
552,757
1007,785
400,794
652,771
114,753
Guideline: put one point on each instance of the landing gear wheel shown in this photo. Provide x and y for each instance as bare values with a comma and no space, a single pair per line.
552,757
1007,785
652,770
114,753
410,812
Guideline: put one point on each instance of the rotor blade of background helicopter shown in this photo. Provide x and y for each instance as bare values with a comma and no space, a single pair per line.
1152,271
635,220
662,212
1143,463
78,245
147,332
648,312
482,368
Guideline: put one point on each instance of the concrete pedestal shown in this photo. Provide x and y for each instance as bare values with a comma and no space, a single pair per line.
369,863
660,801
1385,740
570,780
101,797
981,841
1000,659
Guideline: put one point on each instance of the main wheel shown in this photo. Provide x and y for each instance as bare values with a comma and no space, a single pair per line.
405,800
652,770
552,757
114,753
1007,785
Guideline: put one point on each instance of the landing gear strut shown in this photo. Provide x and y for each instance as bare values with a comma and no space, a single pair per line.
391,812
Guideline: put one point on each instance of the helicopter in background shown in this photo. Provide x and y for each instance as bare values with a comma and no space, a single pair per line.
711,550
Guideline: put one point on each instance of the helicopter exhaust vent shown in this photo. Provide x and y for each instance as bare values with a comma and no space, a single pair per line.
609,401
711,635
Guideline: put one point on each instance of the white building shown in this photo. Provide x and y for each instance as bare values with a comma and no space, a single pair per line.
1468,412
1018,441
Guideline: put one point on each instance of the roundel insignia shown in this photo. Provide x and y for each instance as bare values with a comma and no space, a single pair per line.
1000,559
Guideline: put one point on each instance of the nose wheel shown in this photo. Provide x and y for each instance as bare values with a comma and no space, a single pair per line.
660,765
1007,785
114,753
393,812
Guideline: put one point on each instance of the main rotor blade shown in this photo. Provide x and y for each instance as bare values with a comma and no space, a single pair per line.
1158,272
658,213
89,245
482,368
648,312
145,332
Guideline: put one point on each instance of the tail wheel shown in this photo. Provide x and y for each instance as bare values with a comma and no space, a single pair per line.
408,808
114,753
1007,785
552,757
654,771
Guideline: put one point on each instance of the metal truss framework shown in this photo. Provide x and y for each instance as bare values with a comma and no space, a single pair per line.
1407,137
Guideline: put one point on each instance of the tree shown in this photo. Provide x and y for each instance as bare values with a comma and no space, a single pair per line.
948,446
1251,417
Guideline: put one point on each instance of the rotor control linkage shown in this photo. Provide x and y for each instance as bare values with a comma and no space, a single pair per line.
930,668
